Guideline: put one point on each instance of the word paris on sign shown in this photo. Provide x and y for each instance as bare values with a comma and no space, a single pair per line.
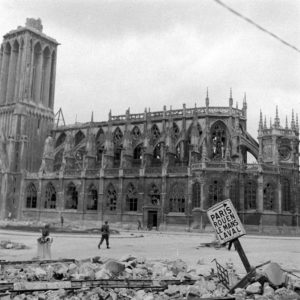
225,221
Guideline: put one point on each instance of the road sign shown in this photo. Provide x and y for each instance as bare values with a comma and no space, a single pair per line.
225,221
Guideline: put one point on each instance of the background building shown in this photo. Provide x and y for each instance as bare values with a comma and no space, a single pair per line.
164,168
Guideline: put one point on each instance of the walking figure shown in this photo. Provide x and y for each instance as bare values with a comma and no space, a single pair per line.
139,225
62,220
105,235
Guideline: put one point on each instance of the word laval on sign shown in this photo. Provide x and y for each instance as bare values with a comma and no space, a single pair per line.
224,219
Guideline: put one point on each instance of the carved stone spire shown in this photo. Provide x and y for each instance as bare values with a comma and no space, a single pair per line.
297,124
293,125
265,123
286,123
207,98
260,125
230,98
277,120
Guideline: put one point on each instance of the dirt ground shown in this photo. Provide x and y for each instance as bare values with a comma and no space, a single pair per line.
160,246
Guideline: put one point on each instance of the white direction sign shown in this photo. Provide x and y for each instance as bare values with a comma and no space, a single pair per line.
225,221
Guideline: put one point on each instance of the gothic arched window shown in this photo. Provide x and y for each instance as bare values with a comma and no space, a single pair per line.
131,198
154,195
234,194
100,139
155,134
31,196
269,197
135,133
286,195
111,197
215,192
175,131
58,160
118,136
250,195
92,198
61,139
50,196
196,201
177,198
137,152
71,197
79,136
218,140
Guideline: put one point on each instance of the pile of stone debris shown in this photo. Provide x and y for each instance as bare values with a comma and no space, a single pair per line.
11,245
128,278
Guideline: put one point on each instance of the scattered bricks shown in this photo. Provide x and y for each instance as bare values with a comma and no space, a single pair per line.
172,290
285,294
114,267
102,274
254,288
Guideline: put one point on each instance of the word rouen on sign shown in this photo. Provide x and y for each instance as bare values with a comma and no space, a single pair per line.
225,221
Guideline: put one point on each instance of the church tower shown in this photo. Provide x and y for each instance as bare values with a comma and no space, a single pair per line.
27,82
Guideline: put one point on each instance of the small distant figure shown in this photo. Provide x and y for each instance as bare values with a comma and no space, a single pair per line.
139,224
9,216
44,243
105,235
62,220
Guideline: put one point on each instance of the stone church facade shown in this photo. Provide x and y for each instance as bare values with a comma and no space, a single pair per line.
164,168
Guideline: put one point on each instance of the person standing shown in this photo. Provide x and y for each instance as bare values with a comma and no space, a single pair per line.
105,235
139,225
61,220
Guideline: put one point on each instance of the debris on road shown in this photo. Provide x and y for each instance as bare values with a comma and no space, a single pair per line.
134,278
12,245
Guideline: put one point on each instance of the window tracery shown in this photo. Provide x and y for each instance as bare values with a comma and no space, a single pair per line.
286,195
218,140
215,192
92,198
131,198
250,195
71,197
269,197
50,196
31,196
177,198
111,197
154,195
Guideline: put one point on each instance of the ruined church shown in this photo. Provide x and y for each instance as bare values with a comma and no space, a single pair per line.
164,168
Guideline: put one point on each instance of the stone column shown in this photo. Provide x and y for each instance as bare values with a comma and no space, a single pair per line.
61,192
279,193
121,198
242,193
46,79
40,203
37,78
12,75
163,201
18,74
4,76
260,194
101,197
81,207
52,80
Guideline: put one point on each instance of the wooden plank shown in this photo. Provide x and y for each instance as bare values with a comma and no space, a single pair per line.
38,261
103,283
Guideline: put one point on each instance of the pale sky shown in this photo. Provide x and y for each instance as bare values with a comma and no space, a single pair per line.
137,54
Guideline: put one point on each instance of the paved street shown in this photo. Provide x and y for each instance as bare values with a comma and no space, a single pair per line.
155,246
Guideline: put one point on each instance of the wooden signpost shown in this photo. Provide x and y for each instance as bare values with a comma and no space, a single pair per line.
228,227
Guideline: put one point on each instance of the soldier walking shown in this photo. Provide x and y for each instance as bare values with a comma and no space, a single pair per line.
105,235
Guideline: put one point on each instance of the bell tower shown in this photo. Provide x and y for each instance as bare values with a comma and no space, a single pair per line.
27,83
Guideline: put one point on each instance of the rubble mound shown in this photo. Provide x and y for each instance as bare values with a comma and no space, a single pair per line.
12,245
128,278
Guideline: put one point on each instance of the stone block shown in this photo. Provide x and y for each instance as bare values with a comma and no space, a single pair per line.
254,288
114,267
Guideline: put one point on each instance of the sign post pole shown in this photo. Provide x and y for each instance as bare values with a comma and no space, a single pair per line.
242,254
228,227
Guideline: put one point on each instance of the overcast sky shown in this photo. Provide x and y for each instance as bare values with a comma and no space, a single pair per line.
137,54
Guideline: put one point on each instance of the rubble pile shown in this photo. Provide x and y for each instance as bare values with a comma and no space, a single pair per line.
34,281
12,245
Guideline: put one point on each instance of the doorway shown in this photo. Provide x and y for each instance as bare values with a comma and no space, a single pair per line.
152,219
